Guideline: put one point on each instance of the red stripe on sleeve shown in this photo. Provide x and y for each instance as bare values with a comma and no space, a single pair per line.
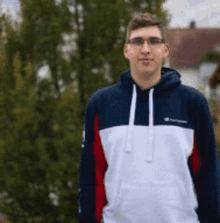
101,166
196,161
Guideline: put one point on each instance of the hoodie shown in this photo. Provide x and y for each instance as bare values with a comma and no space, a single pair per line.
149,156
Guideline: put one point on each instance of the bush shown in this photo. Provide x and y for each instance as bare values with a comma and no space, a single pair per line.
40,156
210,56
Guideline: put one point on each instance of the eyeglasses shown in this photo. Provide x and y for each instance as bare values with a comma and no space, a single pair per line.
152,41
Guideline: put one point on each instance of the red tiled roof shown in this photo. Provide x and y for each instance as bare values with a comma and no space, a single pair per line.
188,45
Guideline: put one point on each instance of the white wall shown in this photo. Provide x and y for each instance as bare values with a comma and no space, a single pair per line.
192,78
189,76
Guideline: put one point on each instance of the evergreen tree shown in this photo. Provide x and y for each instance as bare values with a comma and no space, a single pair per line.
42,118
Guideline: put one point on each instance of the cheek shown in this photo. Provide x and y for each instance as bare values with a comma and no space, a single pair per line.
133,58
133,53
159,54
158,51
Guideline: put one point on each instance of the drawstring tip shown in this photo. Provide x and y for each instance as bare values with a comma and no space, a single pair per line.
149,159
128,147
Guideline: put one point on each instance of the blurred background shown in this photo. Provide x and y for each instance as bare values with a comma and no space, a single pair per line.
53,55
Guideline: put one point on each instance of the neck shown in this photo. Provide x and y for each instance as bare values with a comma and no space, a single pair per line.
146,82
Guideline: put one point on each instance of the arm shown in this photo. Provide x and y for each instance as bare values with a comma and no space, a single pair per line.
92,168
205,165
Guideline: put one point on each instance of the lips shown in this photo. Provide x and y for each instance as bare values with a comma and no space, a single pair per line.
145,59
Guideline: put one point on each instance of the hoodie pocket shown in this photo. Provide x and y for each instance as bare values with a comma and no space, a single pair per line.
152,202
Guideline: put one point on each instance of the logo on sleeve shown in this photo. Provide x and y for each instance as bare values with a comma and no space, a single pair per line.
83,138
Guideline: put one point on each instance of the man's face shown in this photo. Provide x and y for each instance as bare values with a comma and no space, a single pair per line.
146,59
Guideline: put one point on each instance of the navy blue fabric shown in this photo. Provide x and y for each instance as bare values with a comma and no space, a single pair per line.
174,104
171,99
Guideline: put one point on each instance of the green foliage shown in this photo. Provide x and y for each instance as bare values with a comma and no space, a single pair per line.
38,157
214,104
41,119
214,109
210,56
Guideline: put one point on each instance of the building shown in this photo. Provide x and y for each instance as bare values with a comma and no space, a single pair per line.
187,47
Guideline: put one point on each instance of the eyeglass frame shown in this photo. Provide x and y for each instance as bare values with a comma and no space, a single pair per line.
162,41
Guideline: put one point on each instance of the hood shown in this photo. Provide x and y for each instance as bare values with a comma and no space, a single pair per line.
170,79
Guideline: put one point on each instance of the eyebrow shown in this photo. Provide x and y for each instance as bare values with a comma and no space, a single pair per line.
148,37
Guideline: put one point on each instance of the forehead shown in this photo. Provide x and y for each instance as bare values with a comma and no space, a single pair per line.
146,32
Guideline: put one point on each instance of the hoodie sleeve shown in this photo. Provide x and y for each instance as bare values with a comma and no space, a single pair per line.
205,165
92,169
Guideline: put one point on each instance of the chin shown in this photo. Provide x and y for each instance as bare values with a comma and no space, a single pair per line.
145,71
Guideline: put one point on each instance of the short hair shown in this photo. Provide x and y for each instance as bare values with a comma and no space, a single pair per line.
146,20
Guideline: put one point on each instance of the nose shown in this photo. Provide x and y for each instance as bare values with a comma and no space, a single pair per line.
145,47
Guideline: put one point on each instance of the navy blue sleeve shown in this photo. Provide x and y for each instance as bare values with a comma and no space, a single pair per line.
207,179
87,178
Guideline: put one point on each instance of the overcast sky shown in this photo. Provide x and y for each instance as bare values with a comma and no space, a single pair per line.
206,13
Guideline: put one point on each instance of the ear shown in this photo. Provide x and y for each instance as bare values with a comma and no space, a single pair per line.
126,51
167,49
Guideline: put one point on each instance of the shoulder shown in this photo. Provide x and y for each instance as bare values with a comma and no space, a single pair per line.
197,99
102,93
193,93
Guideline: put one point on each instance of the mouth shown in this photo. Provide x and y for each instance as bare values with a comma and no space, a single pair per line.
145,59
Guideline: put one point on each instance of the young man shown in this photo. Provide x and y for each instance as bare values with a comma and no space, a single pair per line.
149,152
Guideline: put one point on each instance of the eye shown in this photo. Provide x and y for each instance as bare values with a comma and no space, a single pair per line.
137,41
154,41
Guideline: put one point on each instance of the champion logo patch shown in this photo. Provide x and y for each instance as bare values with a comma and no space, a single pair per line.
83,138
174,120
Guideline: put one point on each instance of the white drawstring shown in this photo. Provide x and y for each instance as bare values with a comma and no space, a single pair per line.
131,120
149,155
129,141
